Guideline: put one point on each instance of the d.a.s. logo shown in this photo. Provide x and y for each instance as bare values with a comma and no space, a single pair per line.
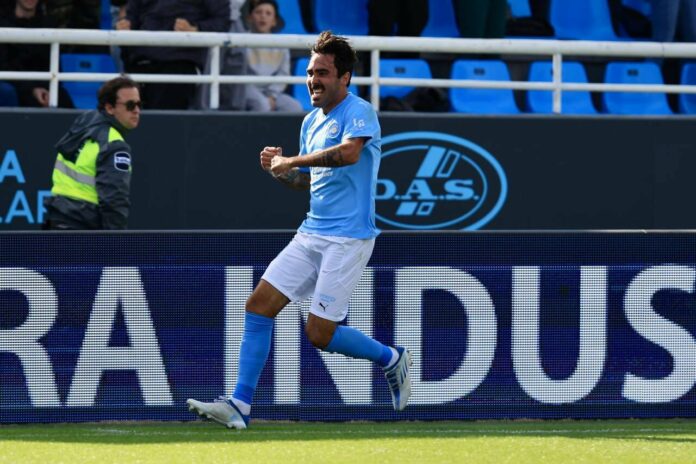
433,180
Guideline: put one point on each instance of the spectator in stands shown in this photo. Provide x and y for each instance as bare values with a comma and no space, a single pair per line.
77,14
397,17
171,15
540,8
264,18
674,20
404,18
481,18
29,57
118,11
232,62
238,10
74,14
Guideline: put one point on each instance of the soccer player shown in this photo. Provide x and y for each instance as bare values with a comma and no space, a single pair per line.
340,144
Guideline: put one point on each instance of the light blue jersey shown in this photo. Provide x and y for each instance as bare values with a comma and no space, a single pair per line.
342,199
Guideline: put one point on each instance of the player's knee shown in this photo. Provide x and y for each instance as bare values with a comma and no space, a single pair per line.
266,300
256,304
251,303
317,337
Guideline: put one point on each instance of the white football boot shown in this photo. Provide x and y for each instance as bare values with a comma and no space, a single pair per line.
222,410
399,379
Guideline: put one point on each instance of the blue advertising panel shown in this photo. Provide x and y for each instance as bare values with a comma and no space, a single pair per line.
108,326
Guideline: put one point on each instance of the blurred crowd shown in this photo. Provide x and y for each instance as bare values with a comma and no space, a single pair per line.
666,20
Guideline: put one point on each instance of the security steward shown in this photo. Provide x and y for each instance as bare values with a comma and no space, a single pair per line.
91,177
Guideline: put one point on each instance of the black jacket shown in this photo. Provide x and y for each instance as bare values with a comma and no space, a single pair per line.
28,57
160,15
112,176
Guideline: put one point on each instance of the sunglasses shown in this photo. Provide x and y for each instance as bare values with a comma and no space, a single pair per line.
132,104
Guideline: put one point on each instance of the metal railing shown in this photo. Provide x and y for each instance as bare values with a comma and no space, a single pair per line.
554,49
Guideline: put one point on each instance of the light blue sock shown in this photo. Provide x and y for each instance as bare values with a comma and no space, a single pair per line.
256,344
351,342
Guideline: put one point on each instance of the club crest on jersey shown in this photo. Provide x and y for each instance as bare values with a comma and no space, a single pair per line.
332,130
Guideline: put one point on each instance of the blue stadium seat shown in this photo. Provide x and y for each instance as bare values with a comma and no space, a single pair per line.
687,101
483,101
441,22
633,102
541,101
582,20
299,91
8,95
84,94
105,19
405,68
347,18
642,6
520,8
290,11
630,25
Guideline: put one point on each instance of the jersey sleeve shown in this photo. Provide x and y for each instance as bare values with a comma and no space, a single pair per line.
360,121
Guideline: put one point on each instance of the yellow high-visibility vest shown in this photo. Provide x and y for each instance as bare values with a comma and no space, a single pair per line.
77,180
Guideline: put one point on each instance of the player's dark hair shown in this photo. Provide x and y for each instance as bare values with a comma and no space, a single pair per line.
108,93
344,55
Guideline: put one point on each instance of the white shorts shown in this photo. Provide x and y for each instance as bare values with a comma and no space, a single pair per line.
325,268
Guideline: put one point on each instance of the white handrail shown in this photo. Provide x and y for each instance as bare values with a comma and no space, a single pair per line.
554,49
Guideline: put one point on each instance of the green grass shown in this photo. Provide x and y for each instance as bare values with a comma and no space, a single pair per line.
624,441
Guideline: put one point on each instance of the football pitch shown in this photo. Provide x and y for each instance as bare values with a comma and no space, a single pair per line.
615,441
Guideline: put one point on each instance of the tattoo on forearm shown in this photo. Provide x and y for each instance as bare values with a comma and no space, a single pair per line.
332,157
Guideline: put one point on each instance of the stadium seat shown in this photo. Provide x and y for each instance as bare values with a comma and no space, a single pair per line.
482,101
8,95
441,22
634,19
634,102
105,19
347,18
520,8
290,11
642,6
541,101
299,91
84,94
687,101
582,20
405,68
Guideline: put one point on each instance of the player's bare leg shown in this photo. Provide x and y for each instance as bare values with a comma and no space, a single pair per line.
396,362
233,412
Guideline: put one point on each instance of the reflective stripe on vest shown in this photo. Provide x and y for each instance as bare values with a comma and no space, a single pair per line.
77,179
68,171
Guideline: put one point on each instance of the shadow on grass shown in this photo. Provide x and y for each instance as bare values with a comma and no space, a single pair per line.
664,430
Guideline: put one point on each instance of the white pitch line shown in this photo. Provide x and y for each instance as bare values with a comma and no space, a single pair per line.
440,432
